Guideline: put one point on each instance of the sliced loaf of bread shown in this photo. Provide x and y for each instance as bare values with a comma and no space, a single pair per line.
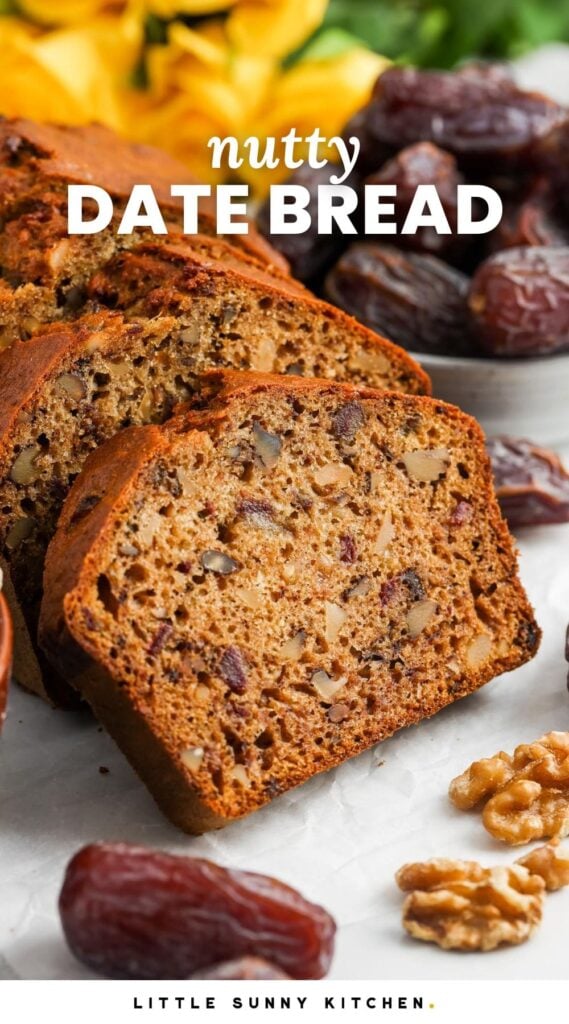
75,384
44,269
251,319
253,593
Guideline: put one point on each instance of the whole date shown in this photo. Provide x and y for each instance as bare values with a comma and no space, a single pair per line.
519,301
415,300
472,113
532,484
130,912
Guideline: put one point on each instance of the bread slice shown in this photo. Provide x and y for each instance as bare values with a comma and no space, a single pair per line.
254,593
38,158
74,385
44,269
266,323
61,394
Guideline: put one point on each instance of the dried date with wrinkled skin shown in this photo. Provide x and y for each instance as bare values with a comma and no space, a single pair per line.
423,164
309,254
246,968
130,912
417,301
532,484
535,219
372,153
472,113
519,300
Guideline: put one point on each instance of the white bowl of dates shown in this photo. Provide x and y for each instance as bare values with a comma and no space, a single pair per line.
525,397
487,315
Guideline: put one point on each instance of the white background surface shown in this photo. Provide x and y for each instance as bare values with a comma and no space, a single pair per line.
339,838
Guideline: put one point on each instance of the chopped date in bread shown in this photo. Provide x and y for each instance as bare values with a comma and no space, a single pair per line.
130,912
61,394
48,280
365,611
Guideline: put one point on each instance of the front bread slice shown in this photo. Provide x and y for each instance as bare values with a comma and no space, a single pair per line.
252,594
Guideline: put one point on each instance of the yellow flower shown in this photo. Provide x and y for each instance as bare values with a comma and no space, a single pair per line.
273,27
221,77
170,8
67,12
314,94
198,88
71,75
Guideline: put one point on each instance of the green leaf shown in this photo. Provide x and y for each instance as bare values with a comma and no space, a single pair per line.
330,42
442,33
387,26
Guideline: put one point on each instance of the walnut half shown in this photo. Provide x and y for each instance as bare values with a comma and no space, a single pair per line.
524,796
461,905
551,862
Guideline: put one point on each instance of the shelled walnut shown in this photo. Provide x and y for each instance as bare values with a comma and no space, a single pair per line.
551,862
524,796
458,904
461,905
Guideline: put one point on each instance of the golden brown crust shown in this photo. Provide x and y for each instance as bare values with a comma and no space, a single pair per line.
114,474
34,156
181,274
88,154
110,475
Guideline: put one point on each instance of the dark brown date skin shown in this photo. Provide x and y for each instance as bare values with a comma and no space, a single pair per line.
247,968
372,153
532,484
309,254
519,301
535,219
473,113
423,164
417,301
130,912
